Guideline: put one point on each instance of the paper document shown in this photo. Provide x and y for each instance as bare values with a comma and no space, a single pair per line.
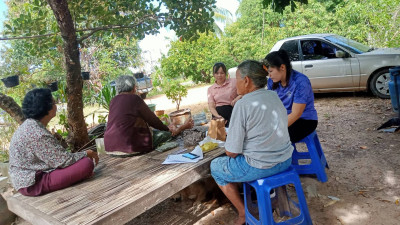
178,158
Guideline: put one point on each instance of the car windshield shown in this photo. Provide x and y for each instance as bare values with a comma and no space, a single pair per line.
349,44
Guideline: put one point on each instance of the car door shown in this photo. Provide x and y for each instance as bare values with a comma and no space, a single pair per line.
293,49
325,71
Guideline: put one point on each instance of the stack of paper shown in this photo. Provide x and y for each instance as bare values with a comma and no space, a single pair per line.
178,158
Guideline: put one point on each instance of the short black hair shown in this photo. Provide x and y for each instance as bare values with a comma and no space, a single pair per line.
255,71
275,60
37,103
217,66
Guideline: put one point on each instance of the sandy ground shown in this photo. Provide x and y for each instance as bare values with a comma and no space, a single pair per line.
196,100
364,167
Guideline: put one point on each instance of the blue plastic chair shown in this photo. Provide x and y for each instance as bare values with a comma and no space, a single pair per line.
263,187
315,153
394,88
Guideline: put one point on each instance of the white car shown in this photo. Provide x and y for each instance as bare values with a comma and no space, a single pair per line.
336,64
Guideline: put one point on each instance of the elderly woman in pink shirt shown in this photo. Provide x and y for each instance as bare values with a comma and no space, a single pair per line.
222,95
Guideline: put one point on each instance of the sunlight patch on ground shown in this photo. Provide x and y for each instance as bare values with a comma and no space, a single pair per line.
90,112
390,178
352,216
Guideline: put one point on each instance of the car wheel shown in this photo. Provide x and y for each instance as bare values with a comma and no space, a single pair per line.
143,95
379,84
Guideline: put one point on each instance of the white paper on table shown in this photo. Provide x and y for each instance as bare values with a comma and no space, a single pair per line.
178,158
173,159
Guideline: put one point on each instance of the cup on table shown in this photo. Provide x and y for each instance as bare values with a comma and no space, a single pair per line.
100,146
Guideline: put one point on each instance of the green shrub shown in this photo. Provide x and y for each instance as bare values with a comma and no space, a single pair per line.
106,94
6,132
175,91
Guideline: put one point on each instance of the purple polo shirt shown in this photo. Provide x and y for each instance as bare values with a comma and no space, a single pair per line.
298,91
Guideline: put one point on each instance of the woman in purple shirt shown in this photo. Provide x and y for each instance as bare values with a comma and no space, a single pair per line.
294,90
130,120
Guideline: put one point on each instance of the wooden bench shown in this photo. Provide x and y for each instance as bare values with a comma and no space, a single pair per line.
122,189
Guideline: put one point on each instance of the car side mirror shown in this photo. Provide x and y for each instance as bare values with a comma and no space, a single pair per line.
340,54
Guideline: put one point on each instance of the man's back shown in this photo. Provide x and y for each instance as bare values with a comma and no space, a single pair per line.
258,129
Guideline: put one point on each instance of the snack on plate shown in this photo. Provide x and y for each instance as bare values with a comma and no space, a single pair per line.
206,147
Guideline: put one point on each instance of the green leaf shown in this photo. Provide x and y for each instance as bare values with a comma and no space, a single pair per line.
8,27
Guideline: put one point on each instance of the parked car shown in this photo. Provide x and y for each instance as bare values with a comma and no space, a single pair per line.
337,64
144,84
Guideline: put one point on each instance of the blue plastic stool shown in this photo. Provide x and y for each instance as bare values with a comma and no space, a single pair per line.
315,153
263,187
394,88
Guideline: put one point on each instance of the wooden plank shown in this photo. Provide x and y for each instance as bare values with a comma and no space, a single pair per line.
30,213
129,194
122,189
133,209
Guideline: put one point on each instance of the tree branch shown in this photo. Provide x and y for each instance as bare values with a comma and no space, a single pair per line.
111,27
12,108
28,37
93,30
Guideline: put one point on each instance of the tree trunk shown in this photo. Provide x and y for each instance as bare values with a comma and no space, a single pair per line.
11,107
73,66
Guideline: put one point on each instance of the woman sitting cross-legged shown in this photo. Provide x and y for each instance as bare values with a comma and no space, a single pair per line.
38,162
129,121
258,143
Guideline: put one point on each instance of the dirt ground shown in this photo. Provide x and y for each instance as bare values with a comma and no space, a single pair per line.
364,167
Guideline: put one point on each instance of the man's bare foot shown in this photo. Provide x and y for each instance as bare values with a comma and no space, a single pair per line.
240,220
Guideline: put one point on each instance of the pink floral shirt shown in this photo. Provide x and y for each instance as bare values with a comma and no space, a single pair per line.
33,148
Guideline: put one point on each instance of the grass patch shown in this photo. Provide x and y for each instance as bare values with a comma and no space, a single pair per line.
92,113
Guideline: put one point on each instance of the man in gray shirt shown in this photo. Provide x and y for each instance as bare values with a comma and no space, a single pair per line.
258,143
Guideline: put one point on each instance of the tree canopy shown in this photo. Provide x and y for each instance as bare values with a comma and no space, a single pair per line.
59,38
193,59
63,28
280,5
258,28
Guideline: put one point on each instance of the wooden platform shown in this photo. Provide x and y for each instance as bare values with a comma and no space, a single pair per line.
122,189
